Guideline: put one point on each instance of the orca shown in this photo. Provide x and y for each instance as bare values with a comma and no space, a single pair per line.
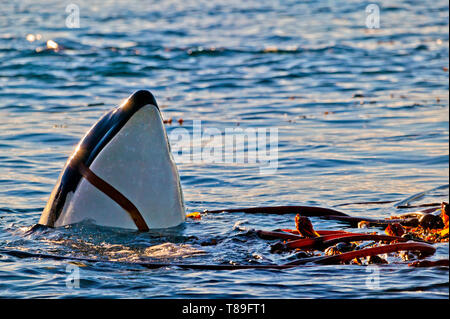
121,174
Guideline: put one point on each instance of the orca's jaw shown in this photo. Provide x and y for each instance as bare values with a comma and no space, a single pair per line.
136,161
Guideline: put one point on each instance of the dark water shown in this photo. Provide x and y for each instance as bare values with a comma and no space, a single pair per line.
362,115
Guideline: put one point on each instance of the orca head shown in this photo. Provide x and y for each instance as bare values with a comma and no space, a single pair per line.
128,150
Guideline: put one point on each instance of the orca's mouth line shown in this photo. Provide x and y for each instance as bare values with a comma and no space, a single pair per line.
112,193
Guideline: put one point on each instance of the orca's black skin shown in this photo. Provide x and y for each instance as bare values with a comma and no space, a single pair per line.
92,144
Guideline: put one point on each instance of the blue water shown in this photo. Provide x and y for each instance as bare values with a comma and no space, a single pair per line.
362,115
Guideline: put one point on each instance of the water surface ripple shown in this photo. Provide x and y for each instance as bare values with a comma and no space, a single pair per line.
362,115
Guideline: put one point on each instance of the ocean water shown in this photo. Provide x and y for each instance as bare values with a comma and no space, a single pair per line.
361,114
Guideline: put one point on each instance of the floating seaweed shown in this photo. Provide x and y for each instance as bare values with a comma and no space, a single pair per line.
406,242
408,238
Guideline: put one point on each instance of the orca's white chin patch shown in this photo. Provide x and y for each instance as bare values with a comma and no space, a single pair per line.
138,163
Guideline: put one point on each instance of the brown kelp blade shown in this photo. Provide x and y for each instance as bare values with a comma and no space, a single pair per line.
280,210
309,211
424,249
